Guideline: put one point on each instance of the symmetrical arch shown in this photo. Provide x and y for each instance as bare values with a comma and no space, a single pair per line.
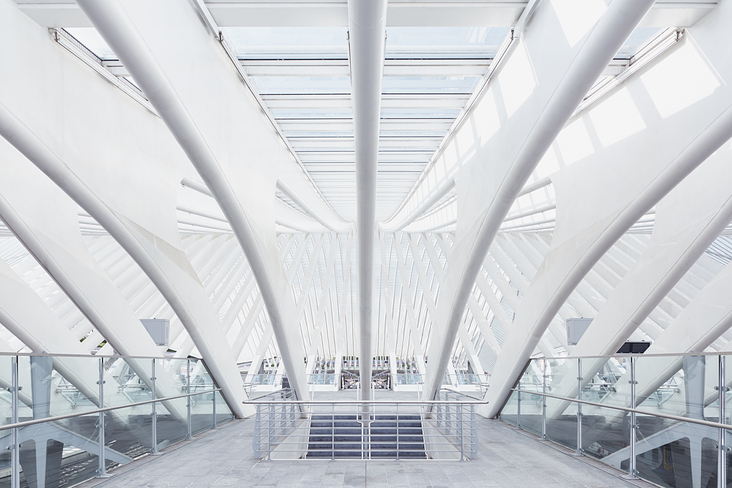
561,160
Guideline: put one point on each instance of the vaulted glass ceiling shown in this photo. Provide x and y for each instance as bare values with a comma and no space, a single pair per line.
302,76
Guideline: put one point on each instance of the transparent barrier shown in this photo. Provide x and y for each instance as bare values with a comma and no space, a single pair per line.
67,419
322,379
465,379
662,418
409,379
288,429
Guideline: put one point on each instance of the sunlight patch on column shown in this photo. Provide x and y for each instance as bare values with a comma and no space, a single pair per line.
578,16
574,142
517,80
680,80
486,117
616,118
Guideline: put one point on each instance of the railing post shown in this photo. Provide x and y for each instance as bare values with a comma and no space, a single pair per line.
283,416
473,434
154,450
15,453
188,405
462,437
257,440
518,407
579,407
332,432
270,420
397,429
213,406
102,471
722,463
439,410
633,426
543,402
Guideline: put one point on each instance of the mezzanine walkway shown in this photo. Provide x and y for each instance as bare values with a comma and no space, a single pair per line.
507,458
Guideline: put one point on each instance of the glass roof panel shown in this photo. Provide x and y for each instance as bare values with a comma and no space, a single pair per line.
429,84
288,42
419,113
93,41
313,134
292,85
312,113
440,42
639,38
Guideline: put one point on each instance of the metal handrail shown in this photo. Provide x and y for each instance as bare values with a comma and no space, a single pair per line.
633,355
281,390
281,430
369,402
26,423
705,423
458,392
90,356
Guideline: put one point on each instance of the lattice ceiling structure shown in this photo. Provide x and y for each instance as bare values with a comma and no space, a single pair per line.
197,161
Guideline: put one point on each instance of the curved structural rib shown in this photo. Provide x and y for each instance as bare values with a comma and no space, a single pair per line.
584,65
687,222
159,269
367,30
89,288
678,144
122,33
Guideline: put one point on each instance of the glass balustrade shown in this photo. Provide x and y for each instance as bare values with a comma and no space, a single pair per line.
68,418
662,418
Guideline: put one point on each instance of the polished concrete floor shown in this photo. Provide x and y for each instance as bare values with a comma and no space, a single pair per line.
507,458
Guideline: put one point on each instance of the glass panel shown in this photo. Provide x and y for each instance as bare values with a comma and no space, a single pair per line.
441,42
312,113
128,434
562,428
132,377
531,404
172,415
223,413
71,450
6,404
677,385
419,113
51,387
685,386
639,38
510,410
58,386
561,424
6,397
605,436
93,41
322,379
663,451
293,42
429,84
291,85
727,414
409,379
606,381
129,430
202,412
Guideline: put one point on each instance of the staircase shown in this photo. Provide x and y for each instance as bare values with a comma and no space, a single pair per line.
342,436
